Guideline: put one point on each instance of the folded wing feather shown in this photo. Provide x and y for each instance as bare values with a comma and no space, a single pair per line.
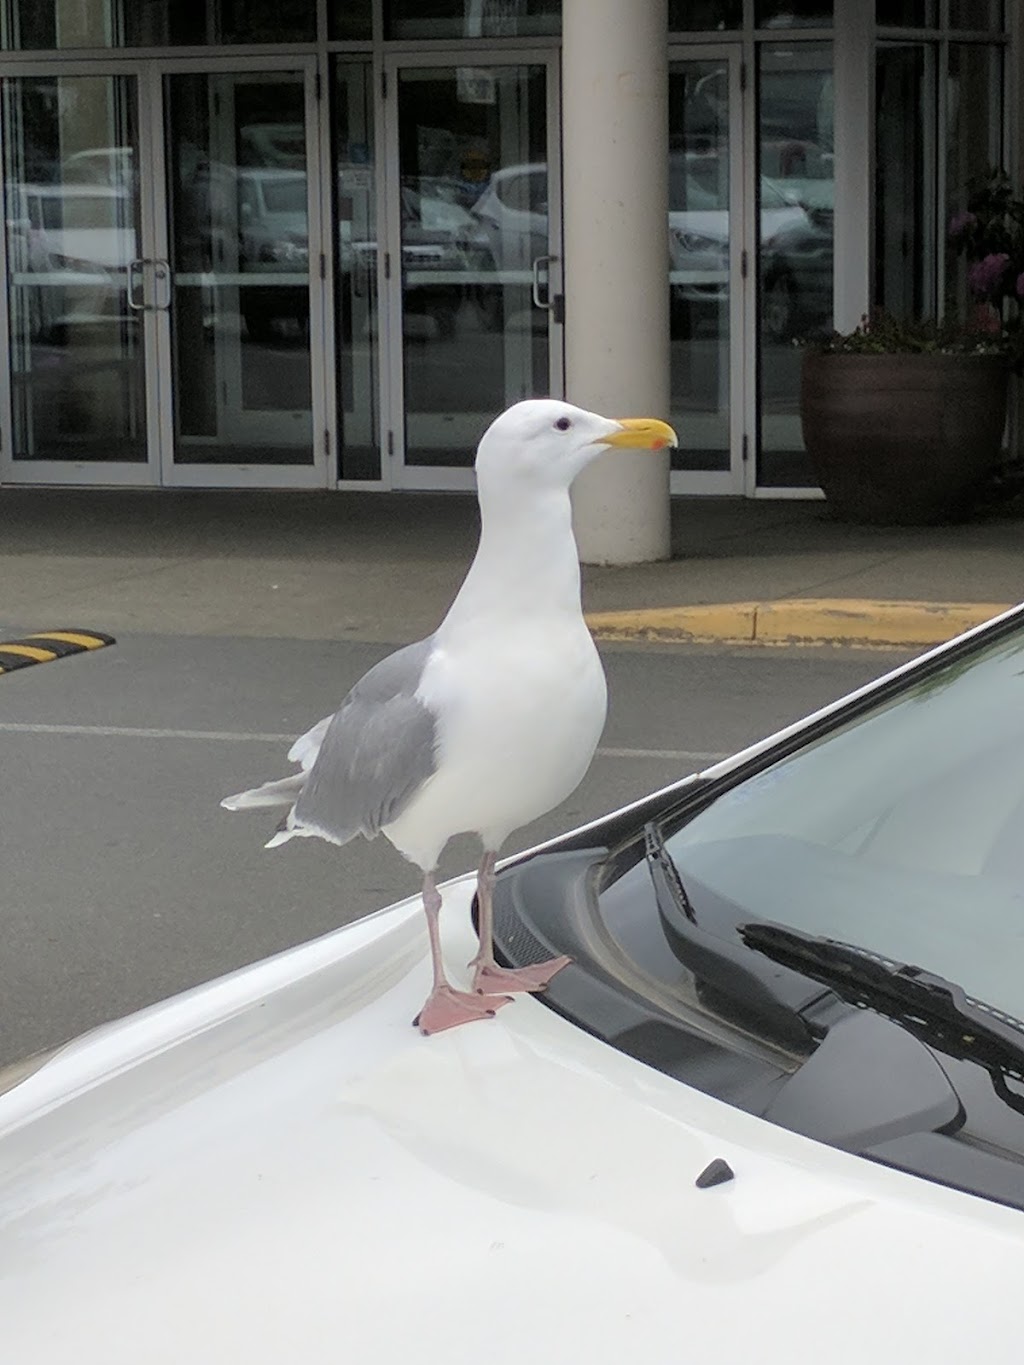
361,766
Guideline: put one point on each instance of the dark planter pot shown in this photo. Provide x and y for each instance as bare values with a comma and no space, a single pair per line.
902,439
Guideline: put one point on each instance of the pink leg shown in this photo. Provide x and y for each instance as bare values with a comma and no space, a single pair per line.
488,976
445,1006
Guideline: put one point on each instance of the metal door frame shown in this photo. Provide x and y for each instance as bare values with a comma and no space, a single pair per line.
396,473
739,477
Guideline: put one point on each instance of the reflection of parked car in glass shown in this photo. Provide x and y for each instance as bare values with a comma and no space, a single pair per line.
273,234
100,166
273,144
699,226
439,236
513,212
796,277
444,252
513,215
70,246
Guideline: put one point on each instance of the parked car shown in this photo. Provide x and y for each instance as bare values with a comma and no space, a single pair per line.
254,219
513,212
773,1110
70,246
113,166
445,256
273,229
699,228
796,277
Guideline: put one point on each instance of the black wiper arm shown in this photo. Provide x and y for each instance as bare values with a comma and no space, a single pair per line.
772,997
937,1011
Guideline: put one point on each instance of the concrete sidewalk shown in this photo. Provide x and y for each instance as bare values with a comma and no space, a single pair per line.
332,566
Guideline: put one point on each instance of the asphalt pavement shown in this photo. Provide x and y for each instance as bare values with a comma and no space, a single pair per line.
241,618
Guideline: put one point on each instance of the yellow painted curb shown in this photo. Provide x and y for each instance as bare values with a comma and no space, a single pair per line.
825,620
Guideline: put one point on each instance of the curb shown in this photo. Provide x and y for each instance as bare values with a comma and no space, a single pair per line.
798,621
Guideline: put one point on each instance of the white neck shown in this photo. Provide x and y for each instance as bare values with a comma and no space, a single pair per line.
526,563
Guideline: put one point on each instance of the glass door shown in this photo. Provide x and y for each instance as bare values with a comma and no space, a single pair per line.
473,266
75,219
706,274
230,280
160,221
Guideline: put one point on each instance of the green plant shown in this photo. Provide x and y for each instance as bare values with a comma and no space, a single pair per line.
883,333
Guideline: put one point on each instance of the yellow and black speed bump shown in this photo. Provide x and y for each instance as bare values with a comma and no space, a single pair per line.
44,645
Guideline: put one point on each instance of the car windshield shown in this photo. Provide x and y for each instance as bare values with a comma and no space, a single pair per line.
901,831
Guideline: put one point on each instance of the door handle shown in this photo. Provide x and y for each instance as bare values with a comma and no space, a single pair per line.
162,276
135,278
542,266
137,285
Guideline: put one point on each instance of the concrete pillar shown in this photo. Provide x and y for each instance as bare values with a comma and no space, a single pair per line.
616,257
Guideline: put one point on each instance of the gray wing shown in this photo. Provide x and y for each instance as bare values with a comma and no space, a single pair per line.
377,752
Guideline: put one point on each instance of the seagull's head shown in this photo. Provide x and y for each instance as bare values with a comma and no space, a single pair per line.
545,442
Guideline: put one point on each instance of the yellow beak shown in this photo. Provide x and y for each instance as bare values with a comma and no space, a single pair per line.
641,433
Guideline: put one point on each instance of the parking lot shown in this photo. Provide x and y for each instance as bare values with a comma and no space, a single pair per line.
241,619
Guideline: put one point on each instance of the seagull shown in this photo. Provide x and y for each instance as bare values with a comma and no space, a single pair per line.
493,719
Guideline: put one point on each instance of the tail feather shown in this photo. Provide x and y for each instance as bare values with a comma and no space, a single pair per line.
280,836
290,828
283,792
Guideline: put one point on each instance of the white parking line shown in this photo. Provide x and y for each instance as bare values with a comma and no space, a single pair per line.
132,732
258,737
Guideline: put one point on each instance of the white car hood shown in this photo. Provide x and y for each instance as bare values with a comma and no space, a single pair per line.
278,1168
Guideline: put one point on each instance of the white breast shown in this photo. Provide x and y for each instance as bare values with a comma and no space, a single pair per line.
521,710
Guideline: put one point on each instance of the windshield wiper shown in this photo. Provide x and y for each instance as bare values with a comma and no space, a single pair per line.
772,997
937,1011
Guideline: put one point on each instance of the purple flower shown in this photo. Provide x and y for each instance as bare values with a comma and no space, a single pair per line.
961,221
985,274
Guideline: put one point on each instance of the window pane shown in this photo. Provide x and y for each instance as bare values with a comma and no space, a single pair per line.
795,270
905,235
973,136
704,15
699,279
459,19
71,212
239,259
60,24
475,243
906,13
984,15
793,14
355,276
350,20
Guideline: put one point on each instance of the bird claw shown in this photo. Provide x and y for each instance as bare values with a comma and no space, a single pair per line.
447,1008
489,978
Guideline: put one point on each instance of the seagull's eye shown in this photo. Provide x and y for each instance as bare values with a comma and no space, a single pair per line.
563,424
